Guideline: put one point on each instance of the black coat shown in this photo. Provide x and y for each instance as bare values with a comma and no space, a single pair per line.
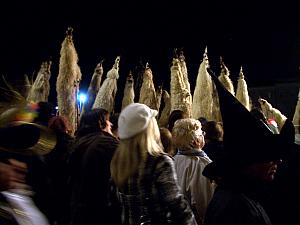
236,204
214,149
57,166
282,204
90,175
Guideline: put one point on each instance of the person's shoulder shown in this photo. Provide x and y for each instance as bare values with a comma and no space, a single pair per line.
231,197
105,141
64,137
205,159
163,161
165,158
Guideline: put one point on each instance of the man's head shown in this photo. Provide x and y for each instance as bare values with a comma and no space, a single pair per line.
95,120
264,171
213,131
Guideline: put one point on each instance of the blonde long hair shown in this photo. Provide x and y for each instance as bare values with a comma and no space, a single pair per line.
132,153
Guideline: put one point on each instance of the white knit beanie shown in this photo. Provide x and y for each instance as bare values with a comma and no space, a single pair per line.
133,119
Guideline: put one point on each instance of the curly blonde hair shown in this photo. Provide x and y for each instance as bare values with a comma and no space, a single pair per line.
185,131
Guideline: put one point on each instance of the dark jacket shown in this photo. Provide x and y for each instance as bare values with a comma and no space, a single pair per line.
57,166
157,182
90,174
214,149
282,204
236,204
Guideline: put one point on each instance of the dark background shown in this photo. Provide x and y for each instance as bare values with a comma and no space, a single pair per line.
263,37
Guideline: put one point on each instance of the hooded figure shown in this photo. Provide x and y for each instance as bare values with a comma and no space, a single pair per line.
252,153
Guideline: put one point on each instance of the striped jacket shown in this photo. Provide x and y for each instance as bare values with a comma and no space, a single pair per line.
159,180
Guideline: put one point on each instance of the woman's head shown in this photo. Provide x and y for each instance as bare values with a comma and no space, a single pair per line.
60,124
137,125
187,134
147,141
134,119
139,136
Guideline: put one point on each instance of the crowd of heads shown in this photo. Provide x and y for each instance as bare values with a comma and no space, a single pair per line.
140,136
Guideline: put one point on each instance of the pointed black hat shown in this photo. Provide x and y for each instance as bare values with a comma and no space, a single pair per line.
247,139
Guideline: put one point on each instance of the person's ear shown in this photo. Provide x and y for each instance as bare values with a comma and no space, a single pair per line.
196,142
100,125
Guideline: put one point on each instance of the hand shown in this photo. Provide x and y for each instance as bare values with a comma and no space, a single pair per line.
12,175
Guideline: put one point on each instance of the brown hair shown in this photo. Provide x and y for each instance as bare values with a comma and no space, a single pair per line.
174,116
213,131
59,123
166,140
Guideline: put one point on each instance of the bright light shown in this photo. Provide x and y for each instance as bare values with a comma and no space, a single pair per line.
81,98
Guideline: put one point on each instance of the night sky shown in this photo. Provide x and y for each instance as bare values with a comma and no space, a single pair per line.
262,37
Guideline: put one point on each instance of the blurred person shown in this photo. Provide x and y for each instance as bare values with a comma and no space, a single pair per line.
20,142
16,204
12,178
12,175
190,161
166,140
252,156
94,147
144,174
213,139
39,176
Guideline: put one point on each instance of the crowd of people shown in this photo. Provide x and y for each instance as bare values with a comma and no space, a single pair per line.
124,169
